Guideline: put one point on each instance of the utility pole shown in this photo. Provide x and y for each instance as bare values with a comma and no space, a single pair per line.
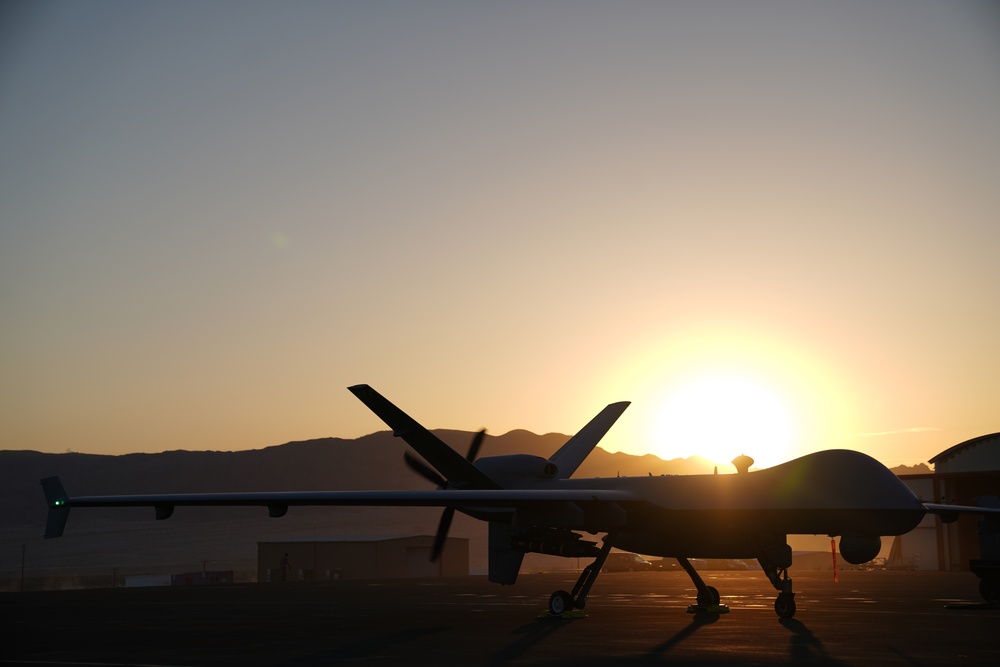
22,566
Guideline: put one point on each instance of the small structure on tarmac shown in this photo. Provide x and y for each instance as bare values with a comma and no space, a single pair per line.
360,558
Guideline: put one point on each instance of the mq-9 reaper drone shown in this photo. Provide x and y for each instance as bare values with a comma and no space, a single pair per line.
533,504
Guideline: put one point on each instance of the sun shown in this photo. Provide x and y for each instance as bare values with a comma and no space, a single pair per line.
720,417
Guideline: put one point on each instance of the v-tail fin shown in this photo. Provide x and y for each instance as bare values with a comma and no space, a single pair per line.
569,457
452,465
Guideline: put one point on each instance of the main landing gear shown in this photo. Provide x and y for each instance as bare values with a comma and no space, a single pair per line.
562,602
988,572
708,598
774,556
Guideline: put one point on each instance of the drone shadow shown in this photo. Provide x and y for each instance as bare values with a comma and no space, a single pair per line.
373,646
531,634
699,620
805,647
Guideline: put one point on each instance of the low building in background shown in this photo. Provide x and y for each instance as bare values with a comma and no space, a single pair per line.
360,558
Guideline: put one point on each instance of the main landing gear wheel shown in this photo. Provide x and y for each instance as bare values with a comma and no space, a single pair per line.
990,589
560,602
784,606
709,598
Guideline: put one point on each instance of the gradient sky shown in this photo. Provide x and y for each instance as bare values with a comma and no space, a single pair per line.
215,216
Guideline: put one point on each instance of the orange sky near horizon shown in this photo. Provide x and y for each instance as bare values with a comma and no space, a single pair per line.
774,219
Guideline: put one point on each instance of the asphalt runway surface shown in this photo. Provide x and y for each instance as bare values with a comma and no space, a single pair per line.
868,618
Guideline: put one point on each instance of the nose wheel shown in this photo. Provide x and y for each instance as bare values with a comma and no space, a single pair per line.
784,606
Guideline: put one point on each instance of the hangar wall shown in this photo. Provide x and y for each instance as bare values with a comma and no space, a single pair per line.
918,549
961,474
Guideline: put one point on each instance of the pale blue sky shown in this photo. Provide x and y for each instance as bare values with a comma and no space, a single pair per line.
214,216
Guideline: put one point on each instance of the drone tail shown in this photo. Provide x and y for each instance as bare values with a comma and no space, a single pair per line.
455,468
569,457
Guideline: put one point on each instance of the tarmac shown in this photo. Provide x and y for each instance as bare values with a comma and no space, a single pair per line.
868,618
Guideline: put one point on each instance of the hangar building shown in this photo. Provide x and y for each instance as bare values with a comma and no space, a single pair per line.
361,558
962,474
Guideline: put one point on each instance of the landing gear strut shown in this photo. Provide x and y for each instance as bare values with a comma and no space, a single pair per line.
708,596
561,601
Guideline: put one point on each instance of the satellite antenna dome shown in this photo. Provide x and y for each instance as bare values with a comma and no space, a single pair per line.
742,463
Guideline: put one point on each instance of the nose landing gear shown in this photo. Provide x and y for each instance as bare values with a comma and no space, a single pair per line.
775,558
784,605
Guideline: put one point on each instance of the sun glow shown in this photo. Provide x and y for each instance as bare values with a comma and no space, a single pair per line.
721,417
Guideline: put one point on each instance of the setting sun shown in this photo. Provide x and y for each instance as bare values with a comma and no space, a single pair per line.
721,417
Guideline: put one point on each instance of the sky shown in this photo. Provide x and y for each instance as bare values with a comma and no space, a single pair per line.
772,226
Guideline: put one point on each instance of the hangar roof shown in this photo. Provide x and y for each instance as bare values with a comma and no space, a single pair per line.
962,446
354,538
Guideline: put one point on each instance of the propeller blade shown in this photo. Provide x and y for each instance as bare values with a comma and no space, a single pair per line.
477,442
424,470
442,533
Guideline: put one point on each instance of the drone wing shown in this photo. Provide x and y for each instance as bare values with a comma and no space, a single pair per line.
278,503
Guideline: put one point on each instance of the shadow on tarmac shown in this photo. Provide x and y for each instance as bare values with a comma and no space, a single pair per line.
805,647
697,621
378,646
532,633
